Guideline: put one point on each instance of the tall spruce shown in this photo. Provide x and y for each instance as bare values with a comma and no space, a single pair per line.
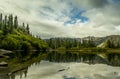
10,23
27,29
1,21
5,28
15,22
1,17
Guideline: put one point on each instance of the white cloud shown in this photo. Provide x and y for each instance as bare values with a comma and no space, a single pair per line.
47,17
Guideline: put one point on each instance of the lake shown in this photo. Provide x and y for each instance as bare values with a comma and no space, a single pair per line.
63,65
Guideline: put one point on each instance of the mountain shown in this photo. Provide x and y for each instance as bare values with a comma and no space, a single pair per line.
112,41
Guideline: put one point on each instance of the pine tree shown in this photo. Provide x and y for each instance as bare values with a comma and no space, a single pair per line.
10,23
5,23
1,17
5,28
15,22
27,29
23,25
1,21
11,20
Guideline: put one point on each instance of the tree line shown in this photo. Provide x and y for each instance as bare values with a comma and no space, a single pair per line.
9,23
69,43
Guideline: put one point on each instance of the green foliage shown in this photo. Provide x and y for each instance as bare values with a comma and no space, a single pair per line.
1,32
16,37
25,45
22,42
10,43
74,48
61,48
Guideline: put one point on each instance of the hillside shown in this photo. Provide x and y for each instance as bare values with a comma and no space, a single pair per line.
112,41
15,36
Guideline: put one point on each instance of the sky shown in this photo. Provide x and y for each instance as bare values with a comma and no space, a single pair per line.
66,18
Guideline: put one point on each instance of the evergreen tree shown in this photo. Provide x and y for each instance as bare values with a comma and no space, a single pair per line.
1,17
23,25
5,23
1,21
27,29
108,44
5,28
11,20
15,22
10,23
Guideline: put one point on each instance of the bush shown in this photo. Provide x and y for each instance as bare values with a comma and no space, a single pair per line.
21,42
25,45
10,43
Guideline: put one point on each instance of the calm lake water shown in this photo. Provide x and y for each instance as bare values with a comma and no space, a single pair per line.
69,65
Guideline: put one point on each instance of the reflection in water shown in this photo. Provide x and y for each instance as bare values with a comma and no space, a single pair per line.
4,73
74,57
65,77
49,70
69,65
114,59
113,75
21,74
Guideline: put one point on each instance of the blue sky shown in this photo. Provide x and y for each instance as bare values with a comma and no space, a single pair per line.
75,15
116,0
51,18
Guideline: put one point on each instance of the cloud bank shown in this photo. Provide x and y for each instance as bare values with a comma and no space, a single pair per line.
66,18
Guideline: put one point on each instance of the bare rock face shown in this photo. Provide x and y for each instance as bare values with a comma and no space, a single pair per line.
2,51
3,64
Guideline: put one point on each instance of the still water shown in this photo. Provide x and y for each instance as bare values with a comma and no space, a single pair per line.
70,65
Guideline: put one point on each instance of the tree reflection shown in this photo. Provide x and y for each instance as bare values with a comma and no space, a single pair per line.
111,59
114,59
4,73
21,74
89,58
71,57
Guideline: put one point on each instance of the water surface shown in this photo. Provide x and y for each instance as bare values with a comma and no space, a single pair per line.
71,65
